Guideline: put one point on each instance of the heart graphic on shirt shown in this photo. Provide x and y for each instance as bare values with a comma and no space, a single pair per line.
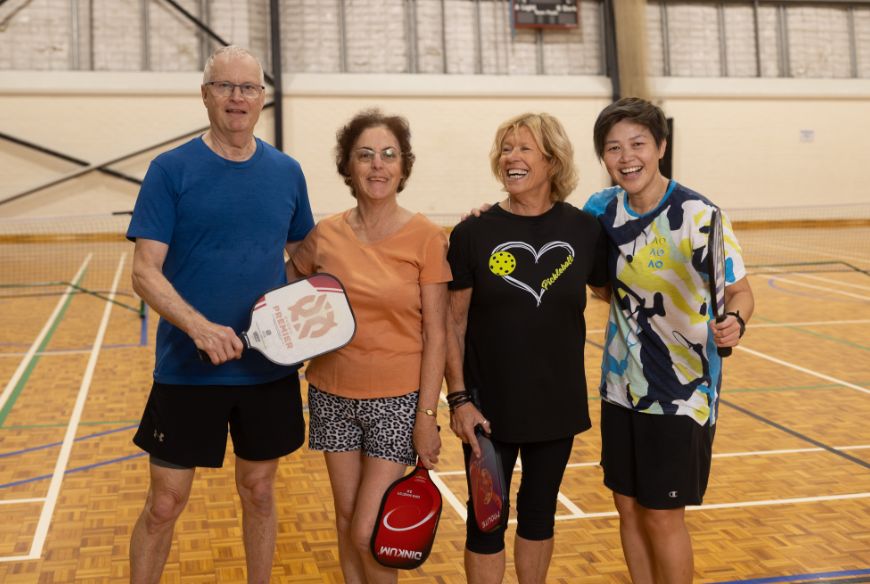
502,263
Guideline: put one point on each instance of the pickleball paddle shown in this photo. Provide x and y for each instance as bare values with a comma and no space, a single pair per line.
407,520
301,320
716,266
487,485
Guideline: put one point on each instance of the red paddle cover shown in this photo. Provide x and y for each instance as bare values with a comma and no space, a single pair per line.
406,524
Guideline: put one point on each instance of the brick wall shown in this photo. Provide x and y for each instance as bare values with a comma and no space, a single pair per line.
119,35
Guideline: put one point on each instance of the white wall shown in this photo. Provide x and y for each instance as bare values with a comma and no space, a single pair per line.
737,140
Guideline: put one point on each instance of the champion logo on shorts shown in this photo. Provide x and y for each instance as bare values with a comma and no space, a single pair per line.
673,494
159,436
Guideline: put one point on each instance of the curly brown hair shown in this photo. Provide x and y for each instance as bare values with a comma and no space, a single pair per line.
348,134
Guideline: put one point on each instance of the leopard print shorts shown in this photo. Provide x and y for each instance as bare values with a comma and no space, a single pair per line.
378,427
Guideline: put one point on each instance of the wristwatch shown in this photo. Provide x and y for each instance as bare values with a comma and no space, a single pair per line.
740,321
428,411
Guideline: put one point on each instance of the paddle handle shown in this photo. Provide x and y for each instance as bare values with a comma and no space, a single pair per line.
203,356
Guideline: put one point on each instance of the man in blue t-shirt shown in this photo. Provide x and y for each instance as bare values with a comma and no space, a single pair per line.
211,224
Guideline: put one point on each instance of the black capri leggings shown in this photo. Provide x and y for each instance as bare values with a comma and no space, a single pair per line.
543,467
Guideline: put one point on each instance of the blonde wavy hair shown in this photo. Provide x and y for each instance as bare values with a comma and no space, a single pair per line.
551,138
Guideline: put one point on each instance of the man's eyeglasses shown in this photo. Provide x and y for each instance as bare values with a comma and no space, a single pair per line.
226,89
367,155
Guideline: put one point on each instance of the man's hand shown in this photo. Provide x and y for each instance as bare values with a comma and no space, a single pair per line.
219,342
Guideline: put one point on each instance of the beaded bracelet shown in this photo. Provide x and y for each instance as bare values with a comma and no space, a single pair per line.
457,398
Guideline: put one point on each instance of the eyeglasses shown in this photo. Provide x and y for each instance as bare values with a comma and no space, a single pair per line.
226,89
367,155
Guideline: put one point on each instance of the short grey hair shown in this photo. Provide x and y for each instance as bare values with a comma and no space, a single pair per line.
231,52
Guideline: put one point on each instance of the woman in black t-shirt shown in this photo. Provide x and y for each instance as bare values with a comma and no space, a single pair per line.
516,333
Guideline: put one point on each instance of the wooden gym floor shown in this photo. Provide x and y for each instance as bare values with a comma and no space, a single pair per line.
789,498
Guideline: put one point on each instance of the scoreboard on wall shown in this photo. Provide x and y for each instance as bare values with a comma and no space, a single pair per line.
545,13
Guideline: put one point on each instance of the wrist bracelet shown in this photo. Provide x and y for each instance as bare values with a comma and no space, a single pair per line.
740,321
457,398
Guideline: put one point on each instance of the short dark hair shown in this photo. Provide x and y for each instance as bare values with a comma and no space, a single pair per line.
348,134
635,110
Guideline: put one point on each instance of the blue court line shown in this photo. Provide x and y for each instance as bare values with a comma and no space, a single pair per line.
72,470
53,444
799,577
796,434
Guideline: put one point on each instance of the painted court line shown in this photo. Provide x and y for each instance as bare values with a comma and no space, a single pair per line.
19,502
53,444
446,493
832,281
795,433
755,325
804,370
715,455
820,577
734,505
807,323
66,352
40,338
836,256
41,532
569,504
825,288
68,471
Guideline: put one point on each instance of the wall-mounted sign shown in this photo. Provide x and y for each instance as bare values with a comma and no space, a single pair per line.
545,13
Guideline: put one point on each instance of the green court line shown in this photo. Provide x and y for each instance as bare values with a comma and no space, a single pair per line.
65,424
19,387
815,334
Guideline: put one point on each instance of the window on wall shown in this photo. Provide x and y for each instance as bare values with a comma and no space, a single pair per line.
687,38
742,39
434,36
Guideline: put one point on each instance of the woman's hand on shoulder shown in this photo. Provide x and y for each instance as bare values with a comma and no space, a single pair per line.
477,211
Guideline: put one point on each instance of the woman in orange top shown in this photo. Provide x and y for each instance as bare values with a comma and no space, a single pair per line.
373,402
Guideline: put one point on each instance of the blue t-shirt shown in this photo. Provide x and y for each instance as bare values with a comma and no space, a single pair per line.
659,355
226,224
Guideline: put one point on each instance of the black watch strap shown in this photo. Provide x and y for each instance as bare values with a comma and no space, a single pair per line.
740,321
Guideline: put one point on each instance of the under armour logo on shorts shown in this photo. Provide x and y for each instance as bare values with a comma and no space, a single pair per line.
672,494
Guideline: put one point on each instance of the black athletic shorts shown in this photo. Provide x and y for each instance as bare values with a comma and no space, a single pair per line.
662,461
187,425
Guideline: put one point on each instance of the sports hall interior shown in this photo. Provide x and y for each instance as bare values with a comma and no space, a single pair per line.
770,106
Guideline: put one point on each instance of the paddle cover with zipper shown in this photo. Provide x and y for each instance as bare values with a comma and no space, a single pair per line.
407,521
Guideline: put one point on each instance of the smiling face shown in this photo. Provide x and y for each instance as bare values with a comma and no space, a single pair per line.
375,176
631,157
233,114
524,170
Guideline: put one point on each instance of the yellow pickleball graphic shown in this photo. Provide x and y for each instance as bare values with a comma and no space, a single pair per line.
502,263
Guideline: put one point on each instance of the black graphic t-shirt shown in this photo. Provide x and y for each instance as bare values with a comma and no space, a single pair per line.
525,337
